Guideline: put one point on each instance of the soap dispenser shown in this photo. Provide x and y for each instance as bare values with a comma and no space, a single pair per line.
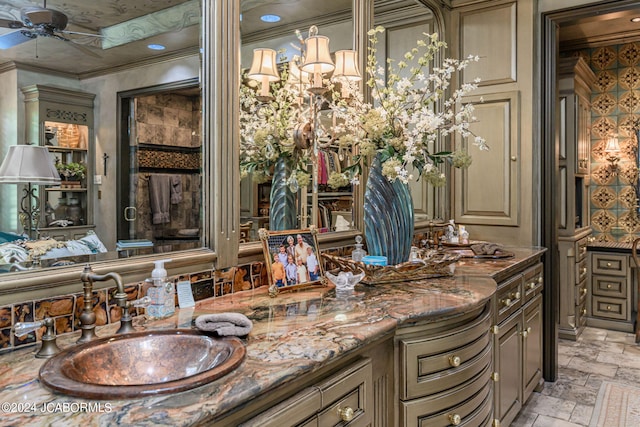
162,293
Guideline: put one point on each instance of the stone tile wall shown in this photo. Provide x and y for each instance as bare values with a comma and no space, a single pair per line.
615,107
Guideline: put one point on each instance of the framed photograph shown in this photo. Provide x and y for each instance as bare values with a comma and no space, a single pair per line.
292,259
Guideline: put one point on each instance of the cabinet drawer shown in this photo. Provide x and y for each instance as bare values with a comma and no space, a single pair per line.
291,412
581,313
581,271
470,404
609,286
349,390
428,365
610,308
508,298
611,264
581,248
581,292
533,282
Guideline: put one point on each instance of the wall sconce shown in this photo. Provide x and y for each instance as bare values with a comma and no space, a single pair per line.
612,150
265,70
29,164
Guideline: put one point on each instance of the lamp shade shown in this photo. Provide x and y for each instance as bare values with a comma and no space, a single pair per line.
347,65
318,57
264,65
26,164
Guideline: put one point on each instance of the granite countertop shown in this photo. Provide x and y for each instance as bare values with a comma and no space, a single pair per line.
293,334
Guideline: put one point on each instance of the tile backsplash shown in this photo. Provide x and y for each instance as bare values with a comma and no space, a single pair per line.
66,309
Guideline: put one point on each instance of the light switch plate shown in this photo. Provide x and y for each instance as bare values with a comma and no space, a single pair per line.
97,179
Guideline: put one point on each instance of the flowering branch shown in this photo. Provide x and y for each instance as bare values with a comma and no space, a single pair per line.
404,121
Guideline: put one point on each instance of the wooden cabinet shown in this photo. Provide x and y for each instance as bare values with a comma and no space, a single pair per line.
517,342
62,120
445,372
344,399
575,81
611,291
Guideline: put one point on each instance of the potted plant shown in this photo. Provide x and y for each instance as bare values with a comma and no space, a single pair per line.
72,171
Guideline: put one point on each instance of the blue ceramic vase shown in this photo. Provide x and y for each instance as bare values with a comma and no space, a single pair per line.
388,216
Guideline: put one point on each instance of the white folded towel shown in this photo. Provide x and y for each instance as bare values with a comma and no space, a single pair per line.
225,324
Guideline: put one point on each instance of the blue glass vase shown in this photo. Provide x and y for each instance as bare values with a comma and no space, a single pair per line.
282,209
388,216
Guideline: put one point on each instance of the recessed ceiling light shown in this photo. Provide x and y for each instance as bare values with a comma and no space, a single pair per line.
270,18
636,19
156,47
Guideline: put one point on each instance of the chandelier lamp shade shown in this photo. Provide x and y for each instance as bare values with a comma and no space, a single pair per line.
264,69
317,58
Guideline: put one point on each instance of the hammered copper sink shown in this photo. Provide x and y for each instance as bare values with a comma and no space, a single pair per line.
141,364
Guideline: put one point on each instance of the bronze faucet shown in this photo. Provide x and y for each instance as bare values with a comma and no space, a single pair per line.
88,317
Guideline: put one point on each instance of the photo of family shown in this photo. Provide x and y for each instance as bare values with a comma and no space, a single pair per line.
293,258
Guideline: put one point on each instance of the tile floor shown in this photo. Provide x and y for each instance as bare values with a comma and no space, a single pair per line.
597,355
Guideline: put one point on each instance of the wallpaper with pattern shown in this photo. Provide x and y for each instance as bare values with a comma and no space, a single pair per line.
615,103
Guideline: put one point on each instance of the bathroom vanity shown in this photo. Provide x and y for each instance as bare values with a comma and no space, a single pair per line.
429,352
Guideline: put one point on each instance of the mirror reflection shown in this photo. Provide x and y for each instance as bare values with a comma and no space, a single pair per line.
114,95
288,151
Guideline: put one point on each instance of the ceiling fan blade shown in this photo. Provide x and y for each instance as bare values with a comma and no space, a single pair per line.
13,39
81,34
8,23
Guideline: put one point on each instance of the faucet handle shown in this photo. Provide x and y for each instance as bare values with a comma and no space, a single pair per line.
141,302
21,329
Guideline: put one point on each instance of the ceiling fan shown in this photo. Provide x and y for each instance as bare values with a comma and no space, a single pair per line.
38,22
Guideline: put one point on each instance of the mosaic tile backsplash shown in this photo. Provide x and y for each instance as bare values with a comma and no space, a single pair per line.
615,106
66,309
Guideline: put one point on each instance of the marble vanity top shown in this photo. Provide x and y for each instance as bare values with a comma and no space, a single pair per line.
293,334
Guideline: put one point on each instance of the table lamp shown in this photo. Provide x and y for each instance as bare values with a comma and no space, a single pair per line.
29,164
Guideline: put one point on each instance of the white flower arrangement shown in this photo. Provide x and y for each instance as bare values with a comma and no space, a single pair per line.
404,122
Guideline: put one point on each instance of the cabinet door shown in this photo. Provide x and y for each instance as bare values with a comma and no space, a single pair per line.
532,346
508,367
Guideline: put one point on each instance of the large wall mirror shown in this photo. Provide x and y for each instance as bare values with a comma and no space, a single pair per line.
269,24
149,53
272,191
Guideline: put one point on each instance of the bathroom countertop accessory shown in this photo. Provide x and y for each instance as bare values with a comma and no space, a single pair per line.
225,324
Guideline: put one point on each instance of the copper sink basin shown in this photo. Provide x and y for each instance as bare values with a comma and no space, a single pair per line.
141,364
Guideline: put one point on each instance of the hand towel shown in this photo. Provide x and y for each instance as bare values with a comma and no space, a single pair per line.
176,189
159,197
486,248
225,324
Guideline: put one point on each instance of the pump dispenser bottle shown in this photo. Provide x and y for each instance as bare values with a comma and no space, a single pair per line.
162,293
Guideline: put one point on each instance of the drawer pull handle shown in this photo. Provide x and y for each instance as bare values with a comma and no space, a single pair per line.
532,285
346,414
540,279
506,302
583,291
609,286
608,264
455,419
517,295
455,361
583,311
526,332
584,270
608,308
